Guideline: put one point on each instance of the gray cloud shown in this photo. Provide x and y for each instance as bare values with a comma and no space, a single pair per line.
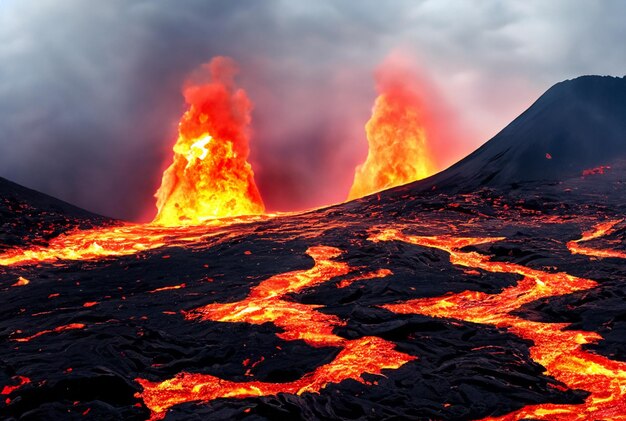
90,92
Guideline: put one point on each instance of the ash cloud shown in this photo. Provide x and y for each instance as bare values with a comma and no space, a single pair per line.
90,93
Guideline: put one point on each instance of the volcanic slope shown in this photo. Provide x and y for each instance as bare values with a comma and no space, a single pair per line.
28,217
576,125
500,295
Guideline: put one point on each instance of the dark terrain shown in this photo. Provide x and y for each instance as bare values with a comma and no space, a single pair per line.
554,173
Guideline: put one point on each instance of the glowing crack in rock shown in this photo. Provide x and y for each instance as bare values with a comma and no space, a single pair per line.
600,230
267,303
559,350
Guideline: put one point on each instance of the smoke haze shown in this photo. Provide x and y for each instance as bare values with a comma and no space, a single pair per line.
90,93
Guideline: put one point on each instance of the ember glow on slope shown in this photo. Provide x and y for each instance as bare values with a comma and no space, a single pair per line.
93,103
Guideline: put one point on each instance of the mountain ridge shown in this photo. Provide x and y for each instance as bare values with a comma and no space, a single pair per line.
576,124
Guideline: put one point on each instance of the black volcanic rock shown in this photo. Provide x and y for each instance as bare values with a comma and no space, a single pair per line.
577,124
131,309
28,217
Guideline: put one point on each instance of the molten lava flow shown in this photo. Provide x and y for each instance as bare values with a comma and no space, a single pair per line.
599,230
557,349
210,176
397,138
21,381
63,328
116,241
267,302
365,355
380,273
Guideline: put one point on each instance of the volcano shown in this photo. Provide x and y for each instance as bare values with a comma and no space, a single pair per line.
492,290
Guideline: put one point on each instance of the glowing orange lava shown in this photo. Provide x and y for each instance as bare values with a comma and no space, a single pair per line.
21,281
267,303
365,355
210,176
599,230
121,240
63,328
398,150
557,349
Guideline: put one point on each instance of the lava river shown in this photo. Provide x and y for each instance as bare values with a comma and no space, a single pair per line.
554,346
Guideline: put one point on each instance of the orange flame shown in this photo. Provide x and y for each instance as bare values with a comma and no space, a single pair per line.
210,176
397,137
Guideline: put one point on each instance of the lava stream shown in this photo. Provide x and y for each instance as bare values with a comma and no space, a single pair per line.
118,241
558,350
365,355
600,230
267,303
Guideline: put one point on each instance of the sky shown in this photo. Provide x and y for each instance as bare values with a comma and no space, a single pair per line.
90,92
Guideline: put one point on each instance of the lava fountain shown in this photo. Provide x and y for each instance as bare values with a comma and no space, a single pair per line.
397,136
210,176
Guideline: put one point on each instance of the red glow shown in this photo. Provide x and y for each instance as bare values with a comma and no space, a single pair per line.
21,381
55,330
597,170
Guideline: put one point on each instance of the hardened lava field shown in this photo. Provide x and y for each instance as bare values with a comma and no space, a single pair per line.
427,306
475,294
